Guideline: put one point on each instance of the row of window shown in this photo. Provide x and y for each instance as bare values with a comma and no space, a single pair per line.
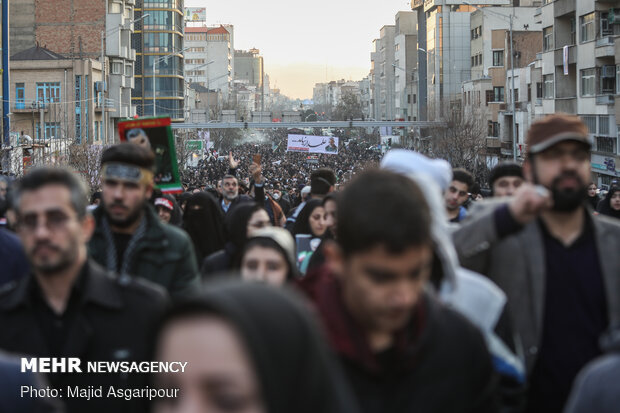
597,80
194,61
476,32
47,92
587,29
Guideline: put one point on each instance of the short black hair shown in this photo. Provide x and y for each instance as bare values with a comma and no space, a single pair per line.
505,169
40,177
131,154
382,208
463,175
321,180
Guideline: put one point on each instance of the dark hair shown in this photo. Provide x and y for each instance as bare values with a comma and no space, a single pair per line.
382,208
95,196
40,177
604,207
504,169
462,175
229,176
302,223
321,180
129,153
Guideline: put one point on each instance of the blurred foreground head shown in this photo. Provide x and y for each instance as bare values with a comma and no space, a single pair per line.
250,348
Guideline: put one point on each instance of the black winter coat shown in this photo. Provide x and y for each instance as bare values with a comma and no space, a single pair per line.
113,322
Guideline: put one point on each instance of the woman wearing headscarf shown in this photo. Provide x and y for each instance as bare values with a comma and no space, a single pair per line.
204,222
311,220
269,256
610,205
241,221
249,348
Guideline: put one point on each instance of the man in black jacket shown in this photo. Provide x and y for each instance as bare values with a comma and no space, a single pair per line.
68,306
402,350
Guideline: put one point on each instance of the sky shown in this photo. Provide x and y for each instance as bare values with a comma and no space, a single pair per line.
306,42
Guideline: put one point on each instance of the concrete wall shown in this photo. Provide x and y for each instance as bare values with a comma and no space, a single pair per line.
21,25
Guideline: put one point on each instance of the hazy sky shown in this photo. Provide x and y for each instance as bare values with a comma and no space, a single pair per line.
305,42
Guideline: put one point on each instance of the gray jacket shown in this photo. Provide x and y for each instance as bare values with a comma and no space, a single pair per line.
516,264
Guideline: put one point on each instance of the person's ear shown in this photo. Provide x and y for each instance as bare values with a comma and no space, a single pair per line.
149,190
88,227
334,258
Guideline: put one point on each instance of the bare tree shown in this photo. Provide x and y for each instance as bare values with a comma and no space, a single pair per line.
462,142
348,108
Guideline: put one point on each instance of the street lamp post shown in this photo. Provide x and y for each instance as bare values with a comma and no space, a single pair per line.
155,61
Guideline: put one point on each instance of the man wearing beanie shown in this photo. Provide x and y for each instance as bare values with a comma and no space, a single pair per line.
505,179
129,238
557,264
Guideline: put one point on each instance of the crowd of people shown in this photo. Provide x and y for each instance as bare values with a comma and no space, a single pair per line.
360,284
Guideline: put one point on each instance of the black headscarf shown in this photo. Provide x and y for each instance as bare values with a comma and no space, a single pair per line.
295,370
205,225
302,223
605,208
236,223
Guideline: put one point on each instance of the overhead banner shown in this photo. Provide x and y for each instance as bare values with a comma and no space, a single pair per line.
313,144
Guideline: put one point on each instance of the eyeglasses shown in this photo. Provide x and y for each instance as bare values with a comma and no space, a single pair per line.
54,220
453,190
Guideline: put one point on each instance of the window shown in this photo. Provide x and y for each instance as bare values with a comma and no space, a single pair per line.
588,82
617,79
498,94
516,92
529,92
606,144
548,38
488,97
548,87
607,80
78,108
573,31
493,129
587,27
48,92
498,58
128,70
20,92
52,130
117,68
590,122
539,90
603,124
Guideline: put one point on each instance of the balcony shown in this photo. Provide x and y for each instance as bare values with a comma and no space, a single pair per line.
604,99
559,56
604,47
493,143
563,7
566,105
34,107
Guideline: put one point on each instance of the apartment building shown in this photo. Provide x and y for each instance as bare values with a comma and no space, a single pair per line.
580,63
79,34
158,40
405,66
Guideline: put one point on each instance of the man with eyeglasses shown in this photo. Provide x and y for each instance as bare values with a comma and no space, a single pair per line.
129,237
68,306
556,262
457,194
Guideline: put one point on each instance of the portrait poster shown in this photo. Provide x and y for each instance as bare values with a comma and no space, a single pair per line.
156,134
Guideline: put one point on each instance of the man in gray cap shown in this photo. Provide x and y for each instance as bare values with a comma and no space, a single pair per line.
557,264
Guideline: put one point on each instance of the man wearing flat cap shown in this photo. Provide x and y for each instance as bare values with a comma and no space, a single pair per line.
557,263
129,238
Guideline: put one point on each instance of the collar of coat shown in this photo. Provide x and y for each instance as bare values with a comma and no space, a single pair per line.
96,286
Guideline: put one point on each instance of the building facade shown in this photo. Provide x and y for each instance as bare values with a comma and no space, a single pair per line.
52,97
580,63
405,66
158,41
